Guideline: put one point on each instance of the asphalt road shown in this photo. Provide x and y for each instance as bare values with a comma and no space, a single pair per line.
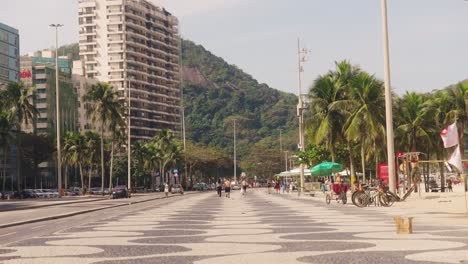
257,228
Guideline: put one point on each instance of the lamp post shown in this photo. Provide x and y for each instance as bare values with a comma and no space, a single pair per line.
235,160
57,107
301,55
129,141
388,100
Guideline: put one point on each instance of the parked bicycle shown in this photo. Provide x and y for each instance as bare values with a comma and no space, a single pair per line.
379,196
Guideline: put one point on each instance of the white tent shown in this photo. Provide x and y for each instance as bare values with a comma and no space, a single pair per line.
294,172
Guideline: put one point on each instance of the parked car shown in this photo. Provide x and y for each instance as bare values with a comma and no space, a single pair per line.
73,191
27,193
235,186
120,191
200,187
177,189
40,193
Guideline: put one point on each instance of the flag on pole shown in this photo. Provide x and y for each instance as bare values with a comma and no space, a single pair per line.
456,160
450,135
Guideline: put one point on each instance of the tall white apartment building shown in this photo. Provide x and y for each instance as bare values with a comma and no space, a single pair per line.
135,44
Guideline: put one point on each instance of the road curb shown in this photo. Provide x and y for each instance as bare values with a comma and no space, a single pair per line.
53,204
84,211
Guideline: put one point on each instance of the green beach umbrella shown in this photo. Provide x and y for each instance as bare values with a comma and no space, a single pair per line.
326,169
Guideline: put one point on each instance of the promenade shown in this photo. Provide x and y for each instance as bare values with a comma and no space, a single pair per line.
257,228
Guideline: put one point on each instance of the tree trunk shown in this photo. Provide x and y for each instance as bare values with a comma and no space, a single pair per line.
82,178
332,152
351,161
461,145
102,157
111,164
89,178
5,157
363,161
66,177
18,159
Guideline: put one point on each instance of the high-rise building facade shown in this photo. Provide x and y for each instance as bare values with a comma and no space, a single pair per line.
134,43
39,72
9,54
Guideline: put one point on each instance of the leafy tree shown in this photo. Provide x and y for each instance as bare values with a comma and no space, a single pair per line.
106,106
18,100
6,138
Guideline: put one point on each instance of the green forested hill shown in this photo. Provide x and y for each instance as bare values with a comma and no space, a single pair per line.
216,93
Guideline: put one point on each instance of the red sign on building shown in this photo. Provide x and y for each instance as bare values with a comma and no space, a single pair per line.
25,74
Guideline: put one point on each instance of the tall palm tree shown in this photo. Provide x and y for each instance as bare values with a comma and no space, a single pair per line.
459,111
436,109
6,137
117,129
90,151
18,99
366,115
106,106
410,120
325,123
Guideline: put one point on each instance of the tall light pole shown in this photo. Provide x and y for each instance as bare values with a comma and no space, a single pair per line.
57,110
281,144
129,140
388,100
301,57
235,156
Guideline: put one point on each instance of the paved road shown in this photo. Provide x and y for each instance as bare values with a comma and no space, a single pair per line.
64,208
258,228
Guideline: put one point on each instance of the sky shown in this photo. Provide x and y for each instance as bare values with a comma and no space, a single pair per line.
428,38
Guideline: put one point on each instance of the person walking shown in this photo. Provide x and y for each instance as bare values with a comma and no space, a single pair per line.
227,188
277,187
166,189
269,186
449,185
219,187
244,187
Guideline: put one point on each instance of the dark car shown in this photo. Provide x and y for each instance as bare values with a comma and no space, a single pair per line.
200,187
27,193
120,192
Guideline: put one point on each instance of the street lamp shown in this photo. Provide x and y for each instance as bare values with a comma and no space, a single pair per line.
235,160
302,57
388,100
57,107
129,141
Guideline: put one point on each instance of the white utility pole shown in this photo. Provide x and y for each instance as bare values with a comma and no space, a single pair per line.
57,108
388,100
281,145
129,140
301,55
235,160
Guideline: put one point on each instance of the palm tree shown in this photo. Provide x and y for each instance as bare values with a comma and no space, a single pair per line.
459,111
6,137
117,129
90,151
325,122
18,100
105,107
366,114
410,119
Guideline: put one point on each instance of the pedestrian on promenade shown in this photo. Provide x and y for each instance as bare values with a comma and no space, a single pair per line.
244,187
227,188
166,189
269,186
219,187
449,185
277,187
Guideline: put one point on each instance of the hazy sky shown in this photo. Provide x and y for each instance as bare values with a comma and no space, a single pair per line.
428,38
